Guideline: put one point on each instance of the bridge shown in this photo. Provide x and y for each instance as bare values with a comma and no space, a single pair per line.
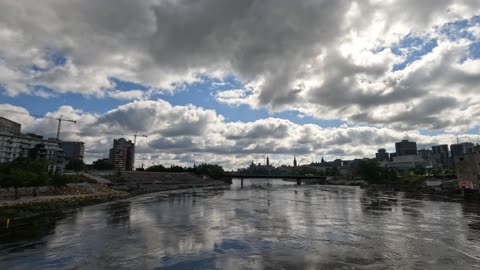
299,178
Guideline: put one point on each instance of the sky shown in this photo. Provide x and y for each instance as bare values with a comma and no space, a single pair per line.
230,82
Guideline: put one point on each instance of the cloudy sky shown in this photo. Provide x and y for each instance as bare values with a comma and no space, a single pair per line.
228,81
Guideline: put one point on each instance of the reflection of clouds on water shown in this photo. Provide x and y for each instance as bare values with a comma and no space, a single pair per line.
265,225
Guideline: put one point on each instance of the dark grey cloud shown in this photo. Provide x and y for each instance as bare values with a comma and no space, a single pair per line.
327,59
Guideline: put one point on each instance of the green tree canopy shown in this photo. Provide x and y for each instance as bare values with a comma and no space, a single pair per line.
75,165
103,165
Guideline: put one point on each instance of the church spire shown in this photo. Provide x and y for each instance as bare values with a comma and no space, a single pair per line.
294,161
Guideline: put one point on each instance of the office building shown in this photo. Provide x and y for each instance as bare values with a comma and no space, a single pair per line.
440,155
73,150
122,155
9,126
425,154
405,148
382,155
460,149
408,162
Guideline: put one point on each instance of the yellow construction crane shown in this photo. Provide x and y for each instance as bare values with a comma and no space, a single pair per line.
60,119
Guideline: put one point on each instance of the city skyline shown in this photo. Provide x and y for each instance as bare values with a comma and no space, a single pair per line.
313,79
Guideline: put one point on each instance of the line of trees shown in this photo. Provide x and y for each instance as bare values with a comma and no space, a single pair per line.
212,170
28,172
371,172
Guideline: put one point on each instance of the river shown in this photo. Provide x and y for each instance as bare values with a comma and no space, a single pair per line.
264,225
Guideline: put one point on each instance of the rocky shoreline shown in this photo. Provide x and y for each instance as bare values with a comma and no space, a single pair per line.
60,199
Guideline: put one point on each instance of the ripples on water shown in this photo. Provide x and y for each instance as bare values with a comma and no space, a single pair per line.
265,225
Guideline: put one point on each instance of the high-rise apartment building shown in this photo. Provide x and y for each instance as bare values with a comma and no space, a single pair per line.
9,126
73,150
23,145
122,155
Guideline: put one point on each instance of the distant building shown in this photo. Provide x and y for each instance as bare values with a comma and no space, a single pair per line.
73,150
460,149
382,155
9,126
23,145
405,148
468,169
425,154
122,155
408,162
268,161
441,155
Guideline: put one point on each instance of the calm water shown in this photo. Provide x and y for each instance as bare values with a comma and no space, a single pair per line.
265,225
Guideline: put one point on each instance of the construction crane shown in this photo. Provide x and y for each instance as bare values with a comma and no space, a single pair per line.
134,136
60,124
60,119
137,135
458,138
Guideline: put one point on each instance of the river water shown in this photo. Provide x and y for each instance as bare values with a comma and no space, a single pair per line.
264,225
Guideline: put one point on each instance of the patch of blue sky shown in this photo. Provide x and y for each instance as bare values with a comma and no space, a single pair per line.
40,106
413,48
125,86
55,57
474,50
459,29
200,94
431,132
456,30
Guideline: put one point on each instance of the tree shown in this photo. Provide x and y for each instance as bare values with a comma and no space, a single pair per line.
156,168
75,165
19,178
212,170
39,177
419,170
369,170
103,165
58,180
331,171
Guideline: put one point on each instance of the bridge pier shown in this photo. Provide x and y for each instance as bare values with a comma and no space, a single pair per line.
299,181
241,182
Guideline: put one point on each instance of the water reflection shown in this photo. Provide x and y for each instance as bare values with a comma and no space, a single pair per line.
264,225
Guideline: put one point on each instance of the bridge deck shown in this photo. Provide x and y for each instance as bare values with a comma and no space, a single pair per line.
244,176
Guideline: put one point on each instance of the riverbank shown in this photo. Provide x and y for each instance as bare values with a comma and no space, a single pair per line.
434,193
59,199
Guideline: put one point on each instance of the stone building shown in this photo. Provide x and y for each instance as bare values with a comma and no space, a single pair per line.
468,169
